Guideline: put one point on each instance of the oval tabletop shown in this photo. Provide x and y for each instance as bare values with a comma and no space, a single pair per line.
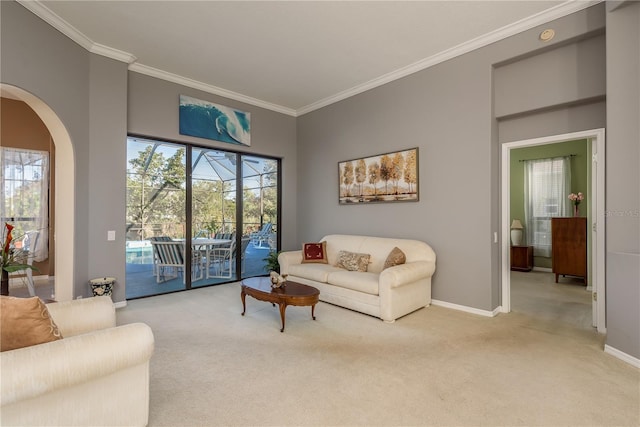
263,284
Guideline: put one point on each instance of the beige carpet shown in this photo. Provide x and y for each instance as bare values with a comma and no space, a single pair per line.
436,367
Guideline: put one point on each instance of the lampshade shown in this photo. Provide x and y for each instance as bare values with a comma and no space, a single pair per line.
516,225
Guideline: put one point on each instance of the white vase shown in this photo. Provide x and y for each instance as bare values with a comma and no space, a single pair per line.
516,237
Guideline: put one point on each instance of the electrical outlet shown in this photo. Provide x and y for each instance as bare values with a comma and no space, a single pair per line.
111,235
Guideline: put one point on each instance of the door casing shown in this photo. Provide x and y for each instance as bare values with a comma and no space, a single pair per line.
597,232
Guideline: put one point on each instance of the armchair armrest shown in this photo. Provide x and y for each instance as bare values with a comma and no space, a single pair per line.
80,316
286,259
33,371
403,274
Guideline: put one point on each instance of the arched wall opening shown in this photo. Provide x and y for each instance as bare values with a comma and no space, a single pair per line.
65,194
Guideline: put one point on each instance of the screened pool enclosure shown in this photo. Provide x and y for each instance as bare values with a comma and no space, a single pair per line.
196,216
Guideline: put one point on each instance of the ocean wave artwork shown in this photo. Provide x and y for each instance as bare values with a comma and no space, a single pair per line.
212,121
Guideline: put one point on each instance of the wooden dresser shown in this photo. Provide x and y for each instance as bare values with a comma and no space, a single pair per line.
569,247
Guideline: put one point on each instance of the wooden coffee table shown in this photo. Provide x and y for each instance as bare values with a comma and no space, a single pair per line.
292,293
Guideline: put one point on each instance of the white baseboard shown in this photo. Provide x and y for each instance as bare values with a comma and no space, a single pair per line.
120,304
633,361
467,309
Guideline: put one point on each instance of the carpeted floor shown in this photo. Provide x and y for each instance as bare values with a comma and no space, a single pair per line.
536,293
435,367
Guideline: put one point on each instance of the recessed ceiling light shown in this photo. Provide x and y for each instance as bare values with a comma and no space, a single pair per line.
547,35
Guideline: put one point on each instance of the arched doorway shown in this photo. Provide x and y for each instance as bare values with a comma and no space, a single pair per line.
64,196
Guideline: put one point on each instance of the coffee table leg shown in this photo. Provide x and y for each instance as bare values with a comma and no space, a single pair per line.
313,309
244,306
283,307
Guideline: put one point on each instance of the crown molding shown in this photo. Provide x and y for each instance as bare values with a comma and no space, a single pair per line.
109,52
559,11
564,9
47,15
164,75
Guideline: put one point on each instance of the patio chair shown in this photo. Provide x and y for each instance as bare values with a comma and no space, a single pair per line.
226,236
261,236
243,249
156,259
169,256
273,241
221,260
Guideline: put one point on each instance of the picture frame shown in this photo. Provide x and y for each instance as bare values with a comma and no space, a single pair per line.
205,119
388,177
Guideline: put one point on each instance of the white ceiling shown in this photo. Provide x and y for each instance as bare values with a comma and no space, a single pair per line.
290,56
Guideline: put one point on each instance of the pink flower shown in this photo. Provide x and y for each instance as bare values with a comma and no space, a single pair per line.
576,198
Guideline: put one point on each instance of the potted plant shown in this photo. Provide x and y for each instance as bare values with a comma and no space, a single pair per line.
11,259
271,262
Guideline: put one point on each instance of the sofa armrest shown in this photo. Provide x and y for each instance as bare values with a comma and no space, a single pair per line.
403,274
286,259
33,371
80,316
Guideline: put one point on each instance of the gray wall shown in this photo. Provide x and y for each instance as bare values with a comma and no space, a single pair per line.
42,61
448,112
623,178
106,171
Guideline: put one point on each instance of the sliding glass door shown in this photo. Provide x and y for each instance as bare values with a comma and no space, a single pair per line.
156,192
213,217
260,211
216,227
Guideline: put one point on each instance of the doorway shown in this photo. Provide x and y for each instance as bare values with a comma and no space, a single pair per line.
64,219
596,230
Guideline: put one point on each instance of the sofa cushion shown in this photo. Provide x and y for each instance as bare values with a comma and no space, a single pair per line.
355,280
317,272
25,322
314,253
396,257
353,261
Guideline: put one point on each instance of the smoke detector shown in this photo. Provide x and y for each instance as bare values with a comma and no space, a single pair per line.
547,35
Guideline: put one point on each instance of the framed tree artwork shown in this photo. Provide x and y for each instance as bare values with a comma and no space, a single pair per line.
390,177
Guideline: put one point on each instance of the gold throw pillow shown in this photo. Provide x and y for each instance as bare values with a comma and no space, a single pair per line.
25,322
395,257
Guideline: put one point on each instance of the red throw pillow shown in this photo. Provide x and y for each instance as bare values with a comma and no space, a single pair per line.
314,252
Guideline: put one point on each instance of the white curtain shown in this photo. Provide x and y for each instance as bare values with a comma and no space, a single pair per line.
547,184
25,194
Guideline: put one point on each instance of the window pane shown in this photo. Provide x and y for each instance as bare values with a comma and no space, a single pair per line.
214,215
25,196
155,211
260,211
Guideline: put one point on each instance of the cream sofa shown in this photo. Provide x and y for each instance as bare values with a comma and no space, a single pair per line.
97,375
387,294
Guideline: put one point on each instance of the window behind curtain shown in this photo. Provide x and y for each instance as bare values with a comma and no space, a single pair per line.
24,201
547,185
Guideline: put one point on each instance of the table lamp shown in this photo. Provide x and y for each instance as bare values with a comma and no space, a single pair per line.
516,232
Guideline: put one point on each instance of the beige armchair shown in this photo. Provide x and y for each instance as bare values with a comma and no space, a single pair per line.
97,375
